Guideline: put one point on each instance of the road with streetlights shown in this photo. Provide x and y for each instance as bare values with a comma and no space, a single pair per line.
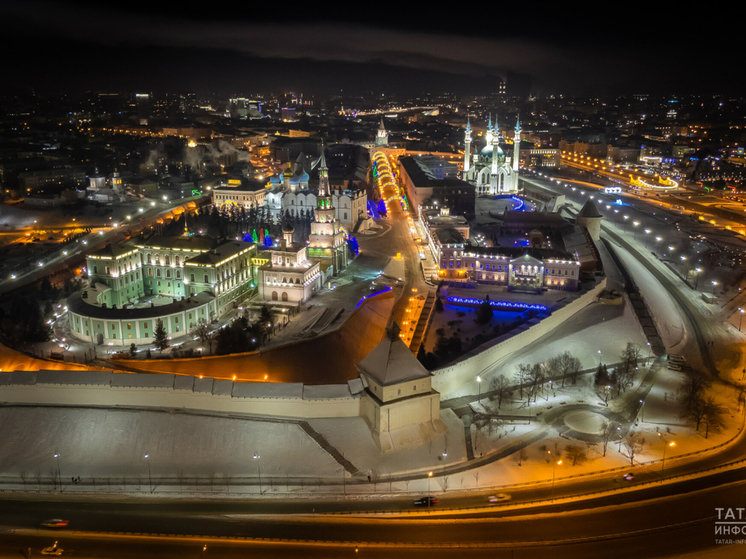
619,525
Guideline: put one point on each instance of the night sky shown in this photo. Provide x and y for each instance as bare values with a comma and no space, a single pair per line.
234,47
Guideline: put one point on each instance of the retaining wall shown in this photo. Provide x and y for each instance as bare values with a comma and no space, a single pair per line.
108,389
449,379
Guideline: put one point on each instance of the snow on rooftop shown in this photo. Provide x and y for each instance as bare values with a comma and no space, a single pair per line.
96,378
183,382
355,385
203,384
222,388
128,380
326,391
268,390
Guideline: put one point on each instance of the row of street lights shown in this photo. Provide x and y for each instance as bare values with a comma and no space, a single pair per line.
146,456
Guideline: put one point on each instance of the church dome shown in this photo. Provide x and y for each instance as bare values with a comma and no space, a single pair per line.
288,172
294,180
486,154
274,180
303,177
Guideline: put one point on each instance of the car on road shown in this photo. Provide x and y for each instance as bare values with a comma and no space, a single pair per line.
499,498
55,523
426,501
629,476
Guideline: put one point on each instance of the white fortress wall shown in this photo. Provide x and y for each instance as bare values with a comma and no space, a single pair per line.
451,378
108,389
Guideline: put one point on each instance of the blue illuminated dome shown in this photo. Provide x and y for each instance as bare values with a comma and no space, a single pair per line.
486,154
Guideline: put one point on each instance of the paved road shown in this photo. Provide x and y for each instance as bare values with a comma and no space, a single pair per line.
623,525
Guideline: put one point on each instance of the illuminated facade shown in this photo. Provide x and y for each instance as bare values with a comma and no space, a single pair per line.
288,276
490,171
327,241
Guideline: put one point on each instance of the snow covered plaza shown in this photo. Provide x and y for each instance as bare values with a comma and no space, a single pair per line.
395,427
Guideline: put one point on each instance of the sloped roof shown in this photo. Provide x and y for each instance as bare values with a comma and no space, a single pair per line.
589,210
391,361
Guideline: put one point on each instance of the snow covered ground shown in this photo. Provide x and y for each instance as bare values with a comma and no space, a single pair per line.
98,442
595,328
353,438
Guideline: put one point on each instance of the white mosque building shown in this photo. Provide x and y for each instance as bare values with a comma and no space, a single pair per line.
489,170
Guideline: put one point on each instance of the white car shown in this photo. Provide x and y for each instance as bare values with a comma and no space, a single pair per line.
499,498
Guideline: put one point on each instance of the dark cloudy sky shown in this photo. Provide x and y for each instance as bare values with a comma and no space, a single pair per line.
319,46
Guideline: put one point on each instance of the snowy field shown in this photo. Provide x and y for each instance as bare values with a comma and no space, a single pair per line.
113,443
595,328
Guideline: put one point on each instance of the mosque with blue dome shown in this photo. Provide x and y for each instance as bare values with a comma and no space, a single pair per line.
489,170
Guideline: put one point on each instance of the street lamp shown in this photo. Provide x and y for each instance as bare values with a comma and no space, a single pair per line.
699,271
259,467
648,359
429,498
150,478
554,470
666,444
479,384
59,472
714,283
740,322
642,410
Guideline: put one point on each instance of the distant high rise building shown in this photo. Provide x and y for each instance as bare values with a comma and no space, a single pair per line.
143,107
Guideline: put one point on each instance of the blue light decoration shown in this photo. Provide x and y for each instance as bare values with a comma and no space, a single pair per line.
360,302
500,305
268,241
247,238
382,207
352,244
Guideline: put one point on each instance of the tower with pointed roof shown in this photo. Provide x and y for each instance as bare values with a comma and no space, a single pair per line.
399,393
590,218
467,146
382,136
327,241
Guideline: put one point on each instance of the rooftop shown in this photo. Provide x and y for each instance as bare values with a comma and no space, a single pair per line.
391,362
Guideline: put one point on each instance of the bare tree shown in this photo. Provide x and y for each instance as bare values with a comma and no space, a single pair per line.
375,475
501,388
576,454
570,366
24,477
522,376
713,416
537,377
37,476
608,430
202,331
634,442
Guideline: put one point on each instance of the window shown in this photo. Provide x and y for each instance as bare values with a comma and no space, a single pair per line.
129,326
178,274
150,273
177,260
149,260
206,280
177,320
191,277
158,272
168,273
168,260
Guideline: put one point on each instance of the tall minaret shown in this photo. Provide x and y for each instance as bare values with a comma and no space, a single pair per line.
467,146
488,139
494,179
495,147
517,144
